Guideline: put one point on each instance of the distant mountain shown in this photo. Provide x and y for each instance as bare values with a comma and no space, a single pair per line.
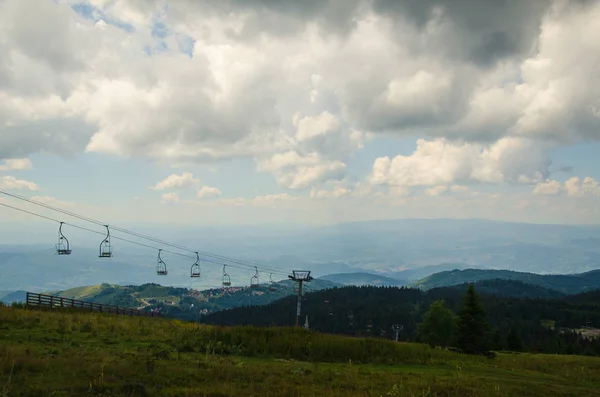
418,273
565,283
185,303
362,279
12,297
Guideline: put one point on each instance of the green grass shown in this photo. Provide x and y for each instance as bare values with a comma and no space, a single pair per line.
74,353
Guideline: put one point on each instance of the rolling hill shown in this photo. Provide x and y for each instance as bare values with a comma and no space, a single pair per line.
11,297
565,283
185,303
362,279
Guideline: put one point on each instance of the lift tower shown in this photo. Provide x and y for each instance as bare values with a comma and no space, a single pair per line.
300,276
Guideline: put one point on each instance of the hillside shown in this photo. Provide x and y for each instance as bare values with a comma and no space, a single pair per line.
184,303
72,353
565,283
15,296
359,279
364,311
511,289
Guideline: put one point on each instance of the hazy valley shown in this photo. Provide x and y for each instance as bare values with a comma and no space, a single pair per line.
406,250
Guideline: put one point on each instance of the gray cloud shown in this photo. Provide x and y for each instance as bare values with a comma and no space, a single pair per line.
60,136
415,68
484,31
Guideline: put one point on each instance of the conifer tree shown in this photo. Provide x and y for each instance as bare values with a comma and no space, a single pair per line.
473,328
438,325
513,340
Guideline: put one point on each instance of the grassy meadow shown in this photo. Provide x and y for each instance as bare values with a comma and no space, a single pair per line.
74,353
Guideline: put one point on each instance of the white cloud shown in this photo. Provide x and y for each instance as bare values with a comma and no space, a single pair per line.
262,201
548,188
441,162
295,171
12,183
576,187
436,191
206,191
297,88
337,192
170,198
16,165
573,187
175,181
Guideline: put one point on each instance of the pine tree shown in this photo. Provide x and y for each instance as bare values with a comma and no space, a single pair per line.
513,340
437,328
473,328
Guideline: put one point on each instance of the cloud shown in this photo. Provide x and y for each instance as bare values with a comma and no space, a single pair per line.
295,171
16,165
12,183
175,181
262,201
337,192
206,191
548,188
298,88
442,162
436,191
170,198
573,187
576,187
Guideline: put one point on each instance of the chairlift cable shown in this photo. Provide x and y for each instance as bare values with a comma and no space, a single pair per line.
120,238
122,230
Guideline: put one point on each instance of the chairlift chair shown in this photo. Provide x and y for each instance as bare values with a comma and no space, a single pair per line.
161,266
105,247
271,283
226,278
254,279
195,270
62,247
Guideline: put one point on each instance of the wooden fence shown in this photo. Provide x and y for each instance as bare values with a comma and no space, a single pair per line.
42,300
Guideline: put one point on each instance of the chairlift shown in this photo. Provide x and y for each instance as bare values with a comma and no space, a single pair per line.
62,247
271,283
226,278
195,270
254,279
105,247
161,266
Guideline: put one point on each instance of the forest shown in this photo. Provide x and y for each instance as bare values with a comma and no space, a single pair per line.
540,324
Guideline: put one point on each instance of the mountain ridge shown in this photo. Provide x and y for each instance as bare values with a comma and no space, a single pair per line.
362,278
565,283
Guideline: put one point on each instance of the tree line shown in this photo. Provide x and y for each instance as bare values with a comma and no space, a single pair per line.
544,325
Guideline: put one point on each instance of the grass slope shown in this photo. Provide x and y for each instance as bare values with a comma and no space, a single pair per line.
69,353
565,283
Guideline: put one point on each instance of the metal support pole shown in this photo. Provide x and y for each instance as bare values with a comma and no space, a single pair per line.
300,276
299,305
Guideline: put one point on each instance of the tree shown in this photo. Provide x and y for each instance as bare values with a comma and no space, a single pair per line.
513,340
473,328
438,325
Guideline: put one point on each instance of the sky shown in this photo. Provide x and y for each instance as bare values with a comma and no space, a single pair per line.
320,111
